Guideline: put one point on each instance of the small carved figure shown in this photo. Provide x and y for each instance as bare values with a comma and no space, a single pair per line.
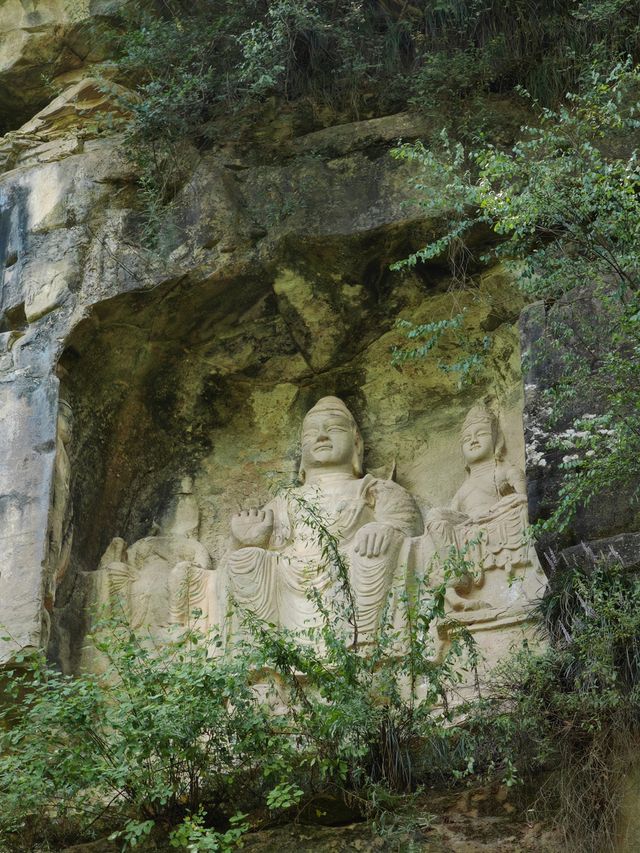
490,478
158,581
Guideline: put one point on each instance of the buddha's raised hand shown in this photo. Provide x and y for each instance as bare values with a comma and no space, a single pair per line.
252,526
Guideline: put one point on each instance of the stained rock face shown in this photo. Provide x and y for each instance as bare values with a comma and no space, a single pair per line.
272,288
125,370
608,515
41,40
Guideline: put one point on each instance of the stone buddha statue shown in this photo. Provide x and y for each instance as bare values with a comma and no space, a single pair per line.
488,513
278,565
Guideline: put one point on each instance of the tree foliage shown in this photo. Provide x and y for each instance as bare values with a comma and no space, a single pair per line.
190,61
564,204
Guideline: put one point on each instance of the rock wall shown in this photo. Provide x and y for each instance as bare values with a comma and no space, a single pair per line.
271,288
40,40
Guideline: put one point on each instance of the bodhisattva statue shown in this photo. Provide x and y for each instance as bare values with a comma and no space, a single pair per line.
156,582
277,557
486,523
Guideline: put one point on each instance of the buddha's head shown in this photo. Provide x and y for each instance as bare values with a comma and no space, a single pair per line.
481,438
331,440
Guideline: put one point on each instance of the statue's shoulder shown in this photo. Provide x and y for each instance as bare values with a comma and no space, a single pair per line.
394,504
510,475
382,485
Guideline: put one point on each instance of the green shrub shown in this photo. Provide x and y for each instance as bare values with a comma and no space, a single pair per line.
571,711
190,61
161,732
361,712
564,206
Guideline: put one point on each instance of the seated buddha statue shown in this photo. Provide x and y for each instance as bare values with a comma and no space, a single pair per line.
487,522
279,568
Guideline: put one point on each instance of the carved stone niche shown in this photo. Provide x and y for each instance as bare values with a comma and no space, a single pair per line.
275,564
215,378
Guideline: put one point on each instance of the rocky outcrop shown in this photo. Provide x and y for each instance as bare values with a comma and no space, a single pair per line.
42,40
268,287
271,287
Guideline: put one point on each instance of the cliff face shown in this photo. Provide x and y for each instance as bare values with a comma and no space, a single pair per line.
42,40
125,369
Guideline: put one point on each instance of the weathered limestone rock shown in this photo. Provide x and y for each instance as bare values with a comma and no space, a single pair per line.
27,447
623,550
42,39
271,289
61,514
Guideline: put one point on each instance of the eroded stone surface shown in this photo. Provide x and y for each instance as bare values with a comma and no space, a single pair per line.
43,39
271,289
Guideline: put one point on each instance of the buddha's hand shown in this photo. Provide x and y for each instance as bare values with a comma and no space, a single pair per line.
373,539
252,526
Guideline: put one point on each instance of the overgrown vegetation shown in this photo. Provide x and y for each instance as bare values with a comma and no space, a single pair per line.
575,708
183,738
564,203
183,741
188,739
191,61
192,58
160,732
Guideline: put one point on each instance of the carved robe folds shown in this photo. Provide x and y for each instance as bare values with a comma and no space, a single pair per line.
157,582
278,582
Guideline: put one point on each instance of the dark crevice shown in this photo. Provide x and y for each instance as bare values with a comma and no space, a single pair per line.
13,319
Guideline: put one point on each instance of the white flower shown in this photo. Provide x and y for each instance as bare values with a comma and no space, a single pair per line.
534,456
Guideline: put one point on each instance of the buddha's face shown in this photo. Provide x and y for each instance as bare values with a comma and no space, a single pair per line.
327,441
477,442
